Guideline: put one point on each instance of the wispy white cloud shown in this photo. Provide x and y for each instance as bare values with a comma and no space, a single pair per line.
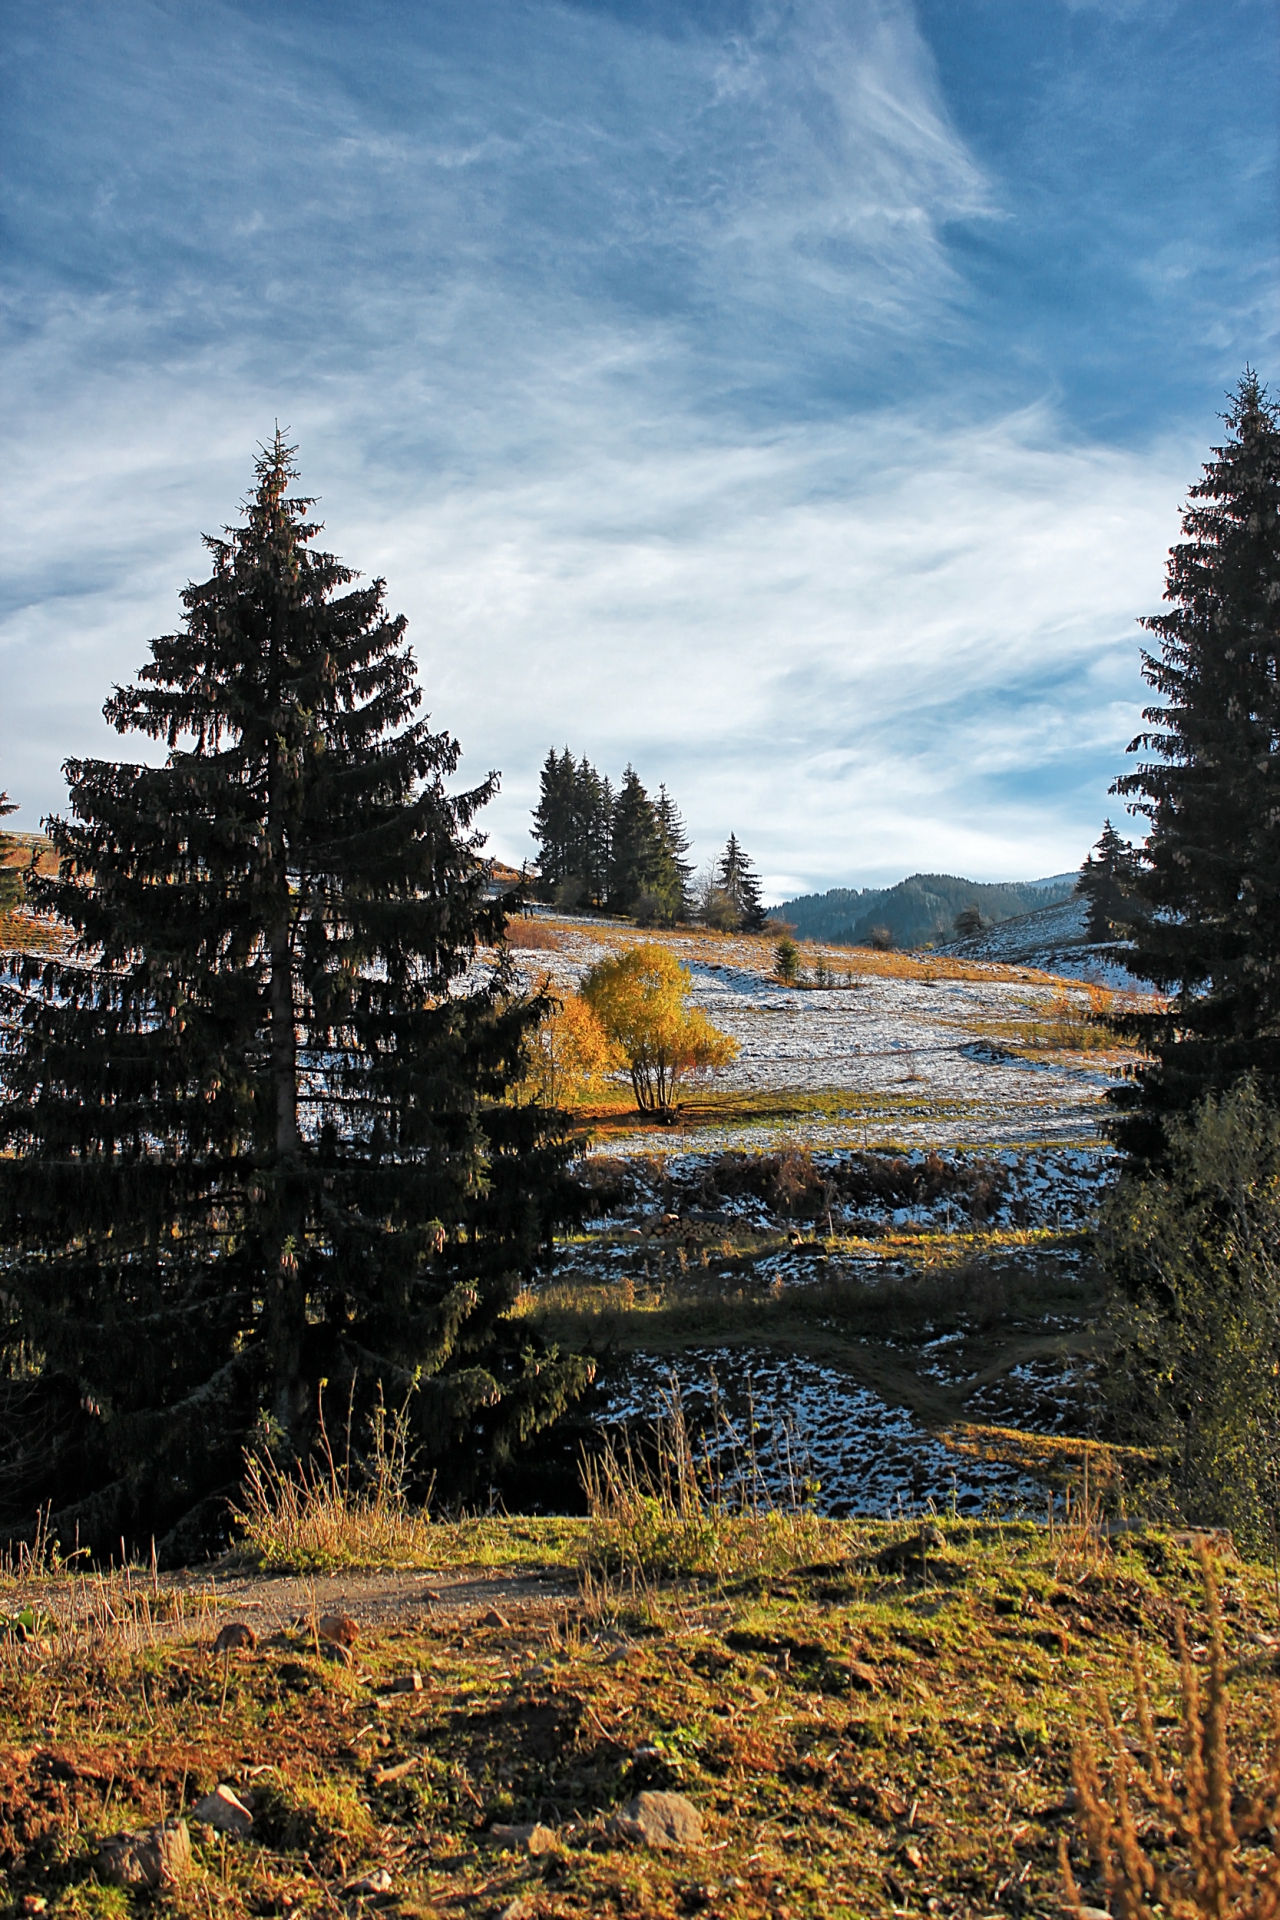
846,641
635,360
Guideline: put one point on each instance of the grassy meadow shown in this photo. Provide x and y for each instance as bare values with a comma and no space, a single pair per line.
863,1732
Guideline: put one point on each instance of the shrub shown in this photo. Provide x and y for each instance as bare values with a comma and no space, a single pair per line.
1192,1256
533,935
570,1052
718,911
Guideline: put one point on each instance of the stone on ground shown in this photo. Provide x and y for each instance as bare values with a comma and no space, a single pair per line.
660,1820
525,1839
153,1857
223,1810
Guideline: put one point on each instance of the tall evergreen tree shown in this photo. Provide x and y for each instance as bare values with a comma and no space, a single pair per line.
572,824
10,872
1210,873
597,803
588,826
737,880
1107,884
256,1128
675,890
553,822
635,854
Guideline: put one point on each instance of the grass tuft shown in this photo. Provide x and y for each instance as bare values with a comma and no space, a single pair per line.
313,1517
657,1510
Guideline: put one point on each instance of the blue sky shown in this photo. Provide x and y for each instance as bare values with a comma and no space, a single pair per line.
794,400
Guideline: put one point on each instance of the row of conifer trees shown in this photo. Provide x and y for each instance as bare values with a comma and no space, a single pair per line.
620,848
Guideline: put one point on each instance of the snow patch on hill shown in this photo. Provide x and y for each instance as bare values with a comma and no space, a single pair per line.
1054,940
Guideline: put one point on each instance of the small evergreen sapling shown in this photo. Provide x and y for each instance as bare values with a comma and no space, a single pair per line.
786,961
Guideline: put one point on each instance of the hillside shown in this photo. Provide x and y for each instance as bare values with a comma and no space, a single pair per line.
867,1229
1055,940
921,1050
917,910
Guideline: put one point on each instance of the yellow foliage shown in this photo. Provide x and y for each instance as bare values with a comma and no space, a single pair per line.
571,1052
640,998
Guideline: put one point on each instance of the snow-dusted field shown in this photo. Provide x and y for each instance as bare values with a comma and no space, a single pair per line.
913,1050
784,1426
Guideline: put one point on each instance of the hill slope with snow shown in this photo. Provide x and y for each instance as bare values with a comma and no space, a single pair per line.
1054,939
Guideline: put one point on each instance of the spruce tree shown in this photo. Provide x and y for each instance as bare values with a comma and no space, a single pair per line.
737,880
572,823
635,853
676,871
10,872
591,806
553,822
1210,789
256,1120
1107,885
600,806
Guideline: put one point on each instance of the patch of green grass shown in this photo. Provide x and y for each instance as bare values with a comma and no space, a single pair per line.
779,1107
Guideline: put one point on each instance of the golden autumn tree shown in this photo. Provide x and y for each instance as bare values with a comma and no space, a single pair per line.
641,1000
570,1052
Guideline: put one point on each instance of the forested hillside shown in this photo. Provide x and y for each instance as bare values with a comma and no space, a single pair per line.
920,908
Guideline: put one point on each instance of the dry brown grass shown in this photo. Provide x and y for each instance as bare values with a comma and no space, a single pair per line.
1178,1838
22,931
1079,1023
859,1741
663,1511
532,936
315,1516
757,952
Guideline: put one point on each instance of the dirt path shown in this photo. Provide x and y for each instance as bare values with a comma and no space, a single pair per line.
274,1603
376,1598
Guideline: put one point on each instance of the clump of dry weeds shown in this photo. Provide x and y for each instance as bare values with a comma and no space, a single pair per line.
319,1514
662,1510
532,935
1183,1841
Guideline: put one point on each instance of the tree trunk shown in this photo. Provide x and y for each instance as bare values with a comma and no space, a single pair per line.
283,1252
288,1307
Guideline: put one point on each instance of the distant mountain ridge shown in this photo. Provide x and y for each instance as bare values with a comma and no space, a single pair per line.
921,908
